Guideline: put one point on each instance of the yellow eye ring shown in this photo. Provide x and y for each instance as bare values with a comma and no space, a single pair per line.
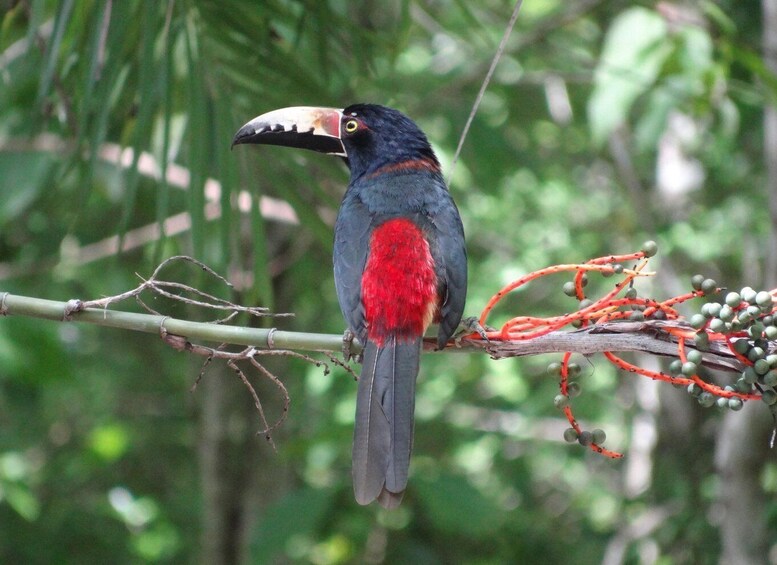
351,126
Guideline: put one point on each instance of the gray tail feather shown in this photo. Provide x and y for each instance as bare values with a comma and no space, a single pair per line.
383,435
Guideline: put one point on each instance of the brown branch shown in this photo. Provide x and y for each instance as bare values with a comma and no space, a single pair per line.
649,336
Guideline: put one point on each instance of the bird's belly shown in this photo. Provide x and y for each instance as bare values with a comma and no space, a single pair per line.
399,285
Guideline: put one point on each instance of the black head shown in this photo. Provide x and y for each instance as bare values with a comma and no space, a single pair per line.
376,136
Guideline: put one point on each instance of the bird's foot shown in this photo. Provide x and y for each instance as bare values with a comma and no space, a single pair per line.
348,354
470,325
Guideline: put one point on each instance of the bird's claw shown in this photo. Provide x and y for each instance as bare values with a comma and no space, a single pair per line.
470,325
348,337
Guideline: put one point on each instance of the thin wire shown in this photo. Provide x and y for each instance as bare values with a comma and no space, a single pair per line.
483,87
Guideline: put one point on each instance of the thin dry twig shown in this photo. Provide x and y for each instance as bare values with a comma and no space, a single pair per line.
158,287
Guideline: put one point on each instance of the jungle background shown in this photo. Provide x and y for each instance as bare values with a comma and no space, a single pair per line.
606,123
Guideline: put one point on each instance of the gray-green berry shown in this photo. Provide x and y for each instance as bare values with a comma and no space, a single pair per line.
585,439
694,356
769,397
733,299
717,325
735,404
763,299
650,248
709,286
706,399
561,401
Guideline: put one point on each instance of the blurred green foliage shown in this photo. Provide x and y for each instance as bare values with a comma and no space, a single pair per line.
99,436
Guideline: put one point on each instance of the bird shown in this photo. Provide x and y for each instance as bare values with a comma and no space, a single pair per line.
400,264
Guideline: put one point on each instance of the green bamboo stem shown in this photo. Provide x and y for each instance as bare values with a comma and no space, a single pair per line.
263,338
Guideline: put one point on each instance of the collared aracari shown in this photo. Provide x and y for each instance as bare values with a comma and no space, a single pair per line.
399,262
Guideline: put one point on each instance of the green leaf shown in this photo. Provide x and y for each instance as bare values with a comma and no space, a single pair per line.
634,51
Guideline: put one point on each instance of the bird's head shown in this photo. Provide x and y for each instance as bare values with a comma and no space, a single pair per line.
369,136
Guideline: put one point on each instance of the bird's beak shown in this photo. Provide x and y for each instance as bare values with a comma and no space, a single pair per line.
305,127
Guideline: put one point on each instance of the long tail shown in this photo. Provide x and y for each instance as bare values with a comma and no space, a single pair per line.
383,436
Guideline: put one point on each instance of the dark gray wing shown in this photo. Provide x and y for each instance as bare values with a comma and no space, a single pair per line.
450,257
352,242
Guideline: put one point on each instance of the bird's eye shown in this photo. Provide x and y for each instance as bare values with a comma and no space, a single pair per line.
351,126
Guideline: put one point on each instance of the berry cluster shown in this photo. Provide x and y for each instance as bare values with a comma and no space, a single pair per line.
745,323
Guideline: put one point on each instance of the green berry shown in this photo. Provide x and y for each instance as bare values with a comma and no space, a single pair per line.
770,378
698,321
554,368
585,303
706,399
599,436
733,299
561,401
574,370
763,299
771,332
709,286
748,294
756,330
689,369
717,325
744,317
573,390
675,367
755,354
694,389
637,316
694,356
569,288
749,375
722,402
585,439
570,435
735,404
649,248
726,313
741,346
754,311
696,281
617,268
702,341
631,293
769,397
742,386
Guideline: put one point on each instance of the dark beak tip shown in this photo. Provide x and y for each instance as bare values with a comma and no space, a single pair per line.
243,135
